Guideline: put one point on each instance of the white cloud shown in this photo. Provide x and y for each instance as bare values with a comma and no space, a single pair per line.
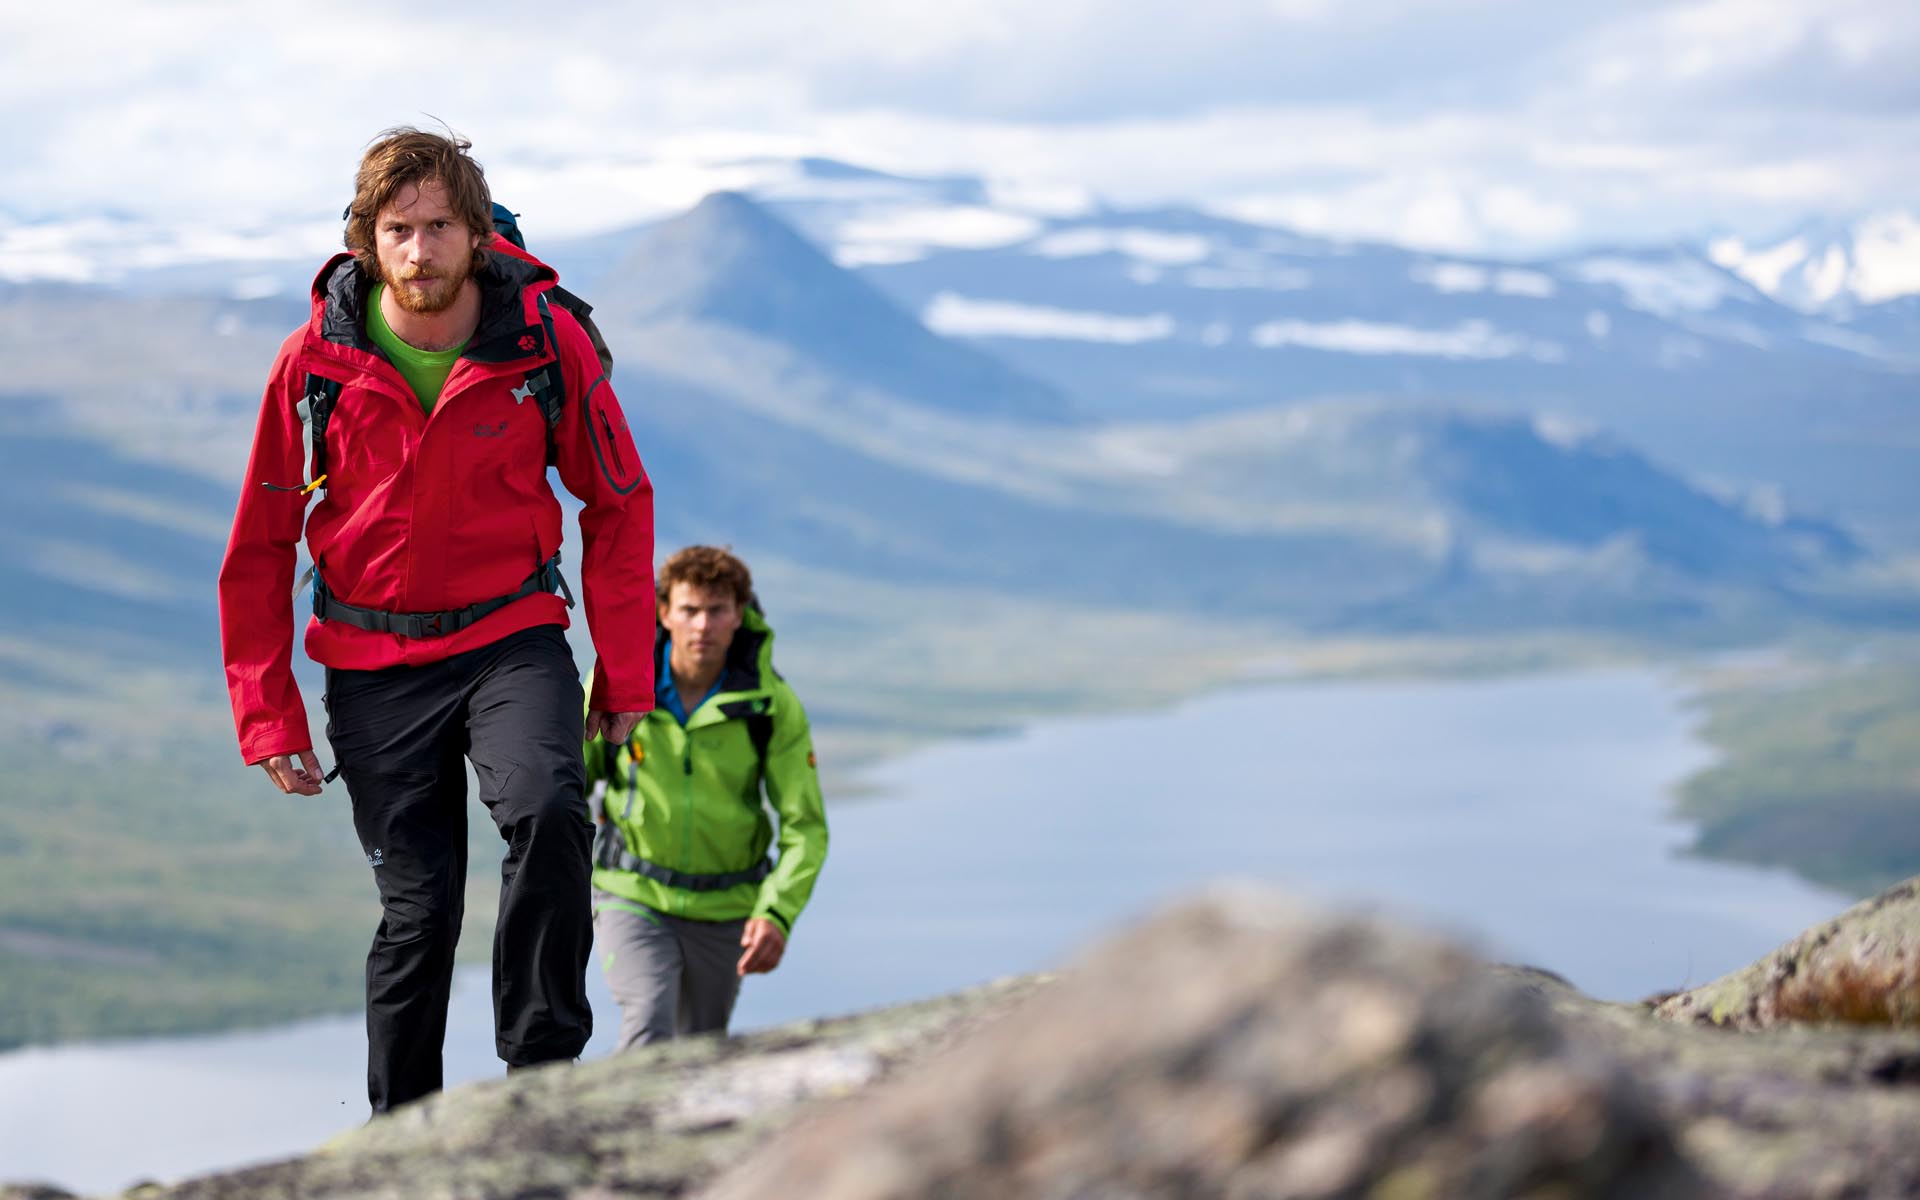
1457,128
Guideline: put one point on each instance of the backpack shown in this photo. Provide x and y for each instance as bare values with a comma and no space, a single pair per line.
507,226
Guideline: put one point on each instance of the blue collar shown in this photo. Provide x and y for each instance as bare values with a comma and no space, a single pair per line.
666,696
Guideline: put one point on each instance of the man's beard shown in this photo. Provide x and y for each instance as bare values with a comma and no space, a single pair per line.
437,298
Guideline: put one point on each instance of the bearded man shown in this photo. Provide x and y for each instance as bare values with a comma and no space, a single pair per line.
435,542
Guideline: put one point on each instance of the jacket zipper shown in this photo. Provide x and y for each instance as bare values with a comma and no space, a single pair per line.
613,445
686,803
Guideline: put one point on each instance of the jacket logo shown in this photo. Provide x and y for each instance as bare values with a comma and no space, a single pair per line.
527,343
485,430
521,393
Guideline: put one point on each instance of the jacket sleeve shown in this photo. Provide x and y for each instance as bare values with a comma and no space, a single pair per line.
256,577
793,787
600,466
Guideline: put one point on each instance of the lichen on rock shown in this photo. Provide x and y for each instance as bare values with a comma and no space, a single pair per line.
1861,968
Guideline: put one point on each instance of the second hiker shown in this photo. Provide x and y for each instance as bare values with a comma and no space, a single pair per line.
686,901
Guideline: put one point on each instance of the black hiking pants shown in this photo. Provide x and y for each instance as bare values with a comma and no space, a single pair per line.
399,735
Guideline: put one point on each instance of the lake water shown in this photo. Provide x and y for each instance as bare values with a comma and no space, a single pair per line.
1528,815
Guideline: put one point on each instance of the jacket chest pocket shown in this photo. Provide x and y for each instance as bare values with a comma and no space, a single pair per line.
497,438
367,439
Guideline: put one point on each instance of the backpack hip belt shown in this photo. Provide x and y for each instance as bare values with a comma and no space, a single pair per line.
546,578
609,853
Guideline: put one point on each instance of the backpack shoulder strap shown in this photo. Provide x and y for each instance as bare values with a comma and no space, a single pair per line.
583,313
548,381
760,729
316,409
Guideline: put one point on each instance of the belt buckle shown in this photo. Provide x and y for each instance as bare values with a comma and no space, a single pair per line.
424,625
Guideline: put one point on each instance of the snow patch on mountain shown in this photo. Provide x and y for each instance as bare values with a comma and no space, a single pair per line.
1515,282
959,316
1830,269
908,234
1146,245
1061,200
1844,339
1450,278
1568,433
1469,339
1260,276
105,249
1665,287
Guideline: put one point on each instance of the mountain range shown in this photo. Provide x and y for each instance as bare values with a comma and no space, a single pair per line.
896,379
1692,353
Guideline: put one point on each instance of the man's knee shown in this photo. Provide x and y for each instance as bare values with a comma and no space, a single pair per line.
424,924
541,798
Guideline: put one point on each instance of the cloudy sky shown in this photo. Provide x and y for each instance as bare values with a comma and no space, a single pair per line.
1508,126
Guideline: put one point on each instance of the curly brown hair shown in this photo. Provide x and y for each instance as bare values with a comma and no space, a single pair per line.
709,568
404,155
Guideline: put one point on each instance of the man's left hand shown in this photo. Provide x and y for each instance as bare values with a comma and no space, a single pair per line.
764,945
616,727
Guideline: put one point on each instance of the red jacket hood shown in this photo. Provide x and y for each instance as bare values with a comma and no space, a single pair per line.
510,281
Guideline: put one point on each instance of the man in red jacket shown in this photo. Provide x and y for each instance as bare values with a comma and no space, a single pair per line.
431,385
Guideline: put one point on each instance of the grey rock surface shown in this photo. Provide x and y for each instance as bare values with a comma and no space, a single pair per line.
1240,1045
652,1122
1861,968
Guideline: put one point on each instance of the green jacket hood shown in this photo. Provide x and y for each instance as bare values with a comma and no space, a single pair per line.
748,677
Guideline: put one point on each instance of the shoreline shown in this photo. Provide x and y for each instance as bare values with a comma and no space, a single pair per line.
851,760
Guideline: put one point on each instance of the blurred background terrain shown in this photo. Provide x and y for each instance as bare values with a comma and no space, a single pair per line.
1075,369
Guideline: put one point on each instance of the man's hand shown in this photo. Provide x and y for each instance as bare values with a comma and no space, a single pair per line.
303,780
764,945
615,727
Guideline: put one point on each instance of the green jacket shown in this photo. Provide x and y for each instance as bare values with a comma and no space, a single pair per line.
687,801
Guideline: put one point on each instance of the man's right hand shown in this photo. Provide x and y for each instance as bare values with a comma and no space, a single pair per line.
302,780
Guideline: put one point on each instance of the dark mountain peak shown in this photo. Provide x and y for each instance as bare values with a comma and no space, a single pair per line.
736,210
729,261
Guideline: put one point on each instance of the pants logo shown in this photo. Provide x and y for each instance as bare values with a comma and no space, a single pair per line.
376,859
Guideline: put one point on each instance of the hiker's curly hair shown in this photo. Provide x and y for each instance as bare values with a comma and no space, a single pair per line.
709,568
404,155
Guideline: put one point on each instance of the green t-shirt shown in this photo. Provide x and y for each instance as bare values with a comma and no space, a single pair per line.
424,370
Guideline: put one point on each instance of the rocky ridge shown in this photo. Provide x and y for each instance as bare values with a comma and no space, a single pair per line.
1239,1045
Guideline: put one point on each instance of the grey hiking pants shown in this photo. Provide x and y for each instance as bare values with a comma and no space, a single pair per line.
672,976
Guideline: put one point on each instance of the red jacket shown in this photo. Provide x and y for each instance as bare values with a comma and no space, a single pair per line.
430,513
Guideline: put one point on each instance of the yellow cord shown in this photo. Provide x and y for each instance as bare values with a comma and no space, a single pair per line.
316,483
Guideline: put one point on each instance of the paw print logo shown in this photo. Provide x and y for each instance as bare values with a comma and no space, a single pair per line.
527,343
